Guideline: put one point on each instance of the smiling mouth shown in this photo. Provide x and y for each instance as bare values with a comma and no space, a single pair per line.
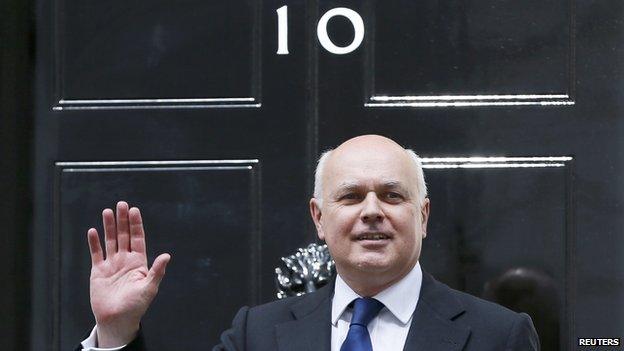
372,236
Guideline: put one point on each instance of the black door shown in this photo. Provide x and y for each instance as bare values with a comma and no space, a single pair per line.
194,112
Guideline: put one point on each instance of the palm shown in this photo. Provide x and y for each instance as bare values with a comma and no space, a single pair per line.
121,286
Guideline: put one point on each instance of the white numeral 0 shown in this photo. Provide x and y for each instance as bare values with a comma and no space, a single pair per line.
358,26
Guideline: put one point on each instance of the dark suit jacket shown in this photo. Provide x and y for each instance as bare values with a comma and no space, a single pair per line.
444,320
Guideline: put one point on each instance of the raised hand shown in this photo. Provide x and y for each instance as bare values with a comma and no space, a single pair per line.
121,286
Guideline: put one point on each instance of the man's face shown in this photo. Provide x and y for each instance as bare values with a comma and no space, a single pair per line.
369,216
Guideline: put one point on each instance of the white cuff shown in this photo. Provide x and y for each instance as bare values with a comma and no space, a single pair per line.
90,343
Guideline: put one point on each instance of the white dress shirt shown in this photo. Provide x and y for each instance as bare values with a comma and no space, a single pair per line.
388,330
90,343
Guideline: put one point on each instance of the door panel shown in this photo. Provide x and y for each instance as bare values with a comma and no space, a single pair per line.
500,228
204,213
157,54
485,51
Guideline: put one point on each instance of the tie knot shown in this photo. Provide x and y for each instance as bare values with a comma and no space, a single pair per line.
364,310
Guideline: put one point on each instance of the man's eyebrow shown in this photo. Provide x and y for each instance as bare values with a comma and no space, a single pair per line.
394,184
347,186
344,187
390,184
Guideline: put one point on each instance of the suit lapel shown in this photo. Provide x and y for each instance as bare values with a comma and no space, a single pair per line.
311,327
432,327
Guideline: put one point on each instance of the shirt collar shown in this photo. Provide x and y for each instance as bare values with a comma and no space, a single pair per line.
400,298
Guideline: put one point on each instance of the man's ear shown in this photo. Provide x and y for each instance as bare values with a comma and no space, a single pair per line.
424,216
315,212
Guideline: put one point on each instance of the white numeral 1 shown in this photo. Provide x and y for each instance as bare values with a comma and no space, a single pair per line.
282,30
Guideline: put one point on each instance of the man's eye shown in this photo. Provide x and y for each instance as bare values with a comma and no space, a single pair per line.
393,196
349,196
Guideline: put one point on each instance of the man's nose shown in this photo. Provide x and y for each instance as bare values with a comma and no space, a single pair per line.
371,212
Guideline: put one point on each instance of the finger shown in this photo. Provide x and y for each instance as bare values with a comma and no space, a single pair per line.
123,230
94,246
110,232
157,272
137,234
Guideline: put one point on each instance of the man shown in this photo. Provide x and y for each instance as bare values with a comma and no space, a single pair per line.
371,209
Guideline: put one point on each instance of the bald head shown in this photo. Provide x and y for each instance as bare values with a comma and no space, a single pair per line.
371,152
370,209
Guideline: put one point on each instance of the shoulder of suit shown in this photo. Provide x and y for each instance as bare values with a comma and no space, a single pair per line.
483,308
284,309
278,304
491,325
441,296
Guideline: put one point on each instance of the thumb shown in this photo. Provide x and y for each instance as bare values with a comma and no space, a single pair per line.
157,272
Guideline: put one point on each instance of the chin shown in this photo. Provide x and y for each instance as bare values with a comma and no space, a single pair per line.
374,264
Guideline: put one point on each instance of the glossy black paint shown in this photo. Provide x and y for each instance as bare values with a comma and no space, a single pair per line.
209,222
563,222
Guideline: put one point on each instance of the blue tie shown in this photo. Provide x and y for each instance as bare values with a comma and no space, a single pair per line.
364,310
